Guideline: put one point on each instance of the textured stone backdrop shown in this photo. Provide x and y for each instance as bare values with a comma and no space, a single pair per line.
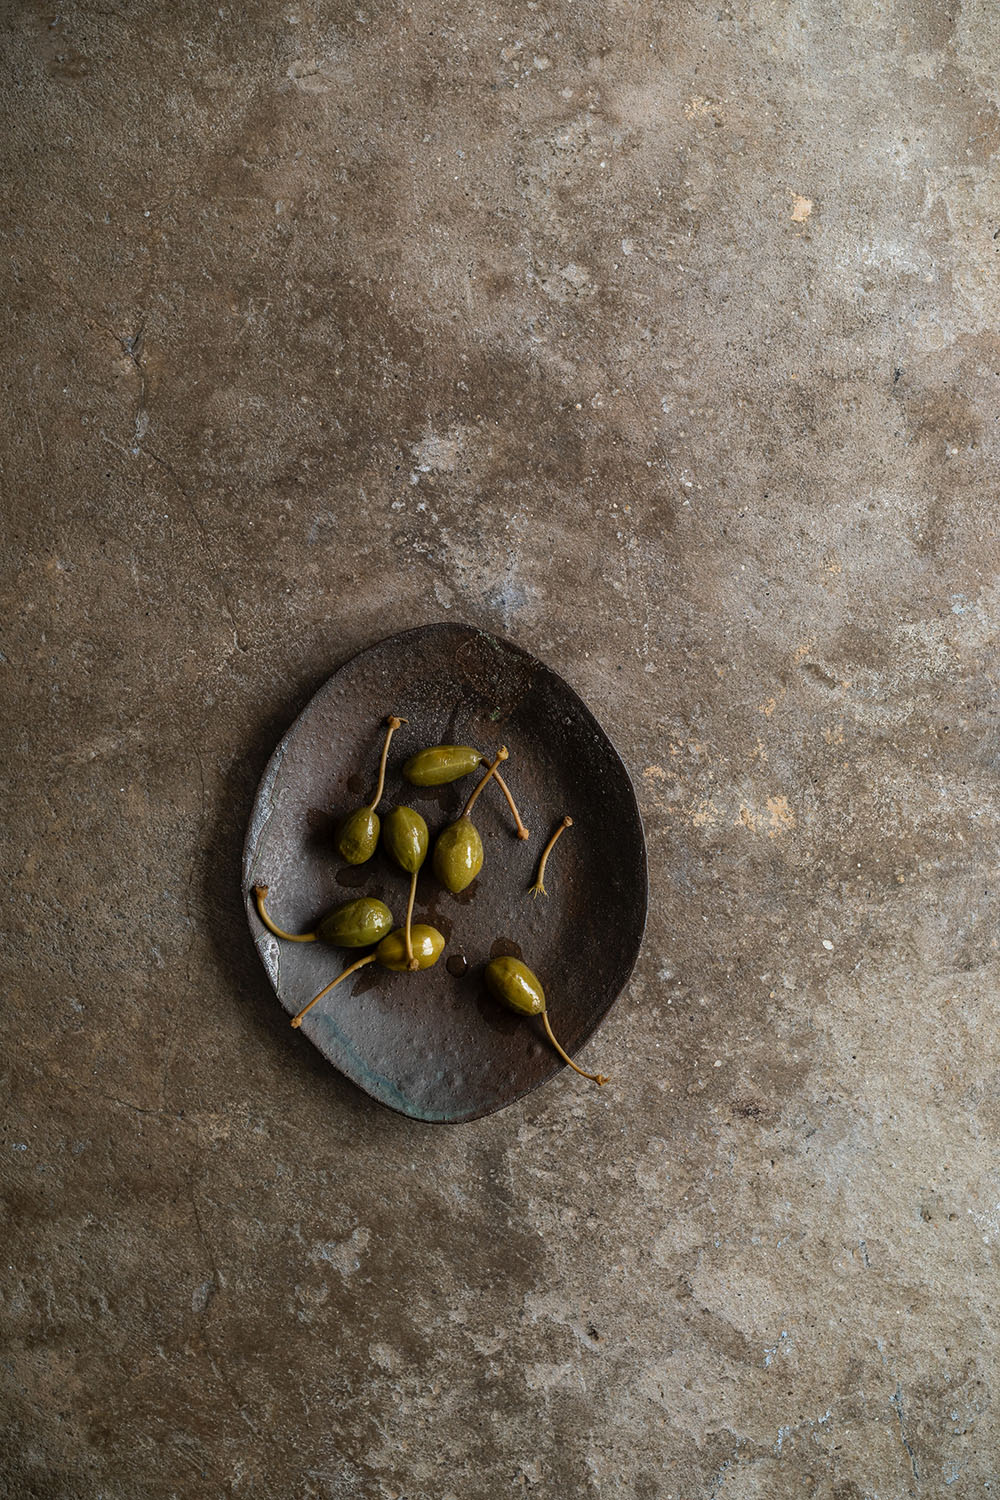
660,337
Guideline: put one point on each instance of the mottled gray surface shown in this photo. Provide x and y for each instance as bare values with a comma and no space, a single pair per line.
661,338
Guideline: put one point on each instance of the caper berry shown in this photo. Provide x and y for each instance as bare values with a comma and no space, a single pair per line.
458,851
392,954
512,983
428,945
443,763
357,835
405,836
458,855
354,924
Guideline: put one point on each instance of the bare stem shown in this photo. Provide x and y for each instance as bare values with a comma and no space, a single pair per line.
538,889
358,963
260,891
412,963
501,756
597,1078
393,724
522,832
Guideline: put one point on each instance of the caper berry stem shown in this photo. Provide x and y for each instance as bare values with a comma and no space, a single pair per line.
597,1078
538,889
393,724
411,962
500,757
260,891
358,963
522,832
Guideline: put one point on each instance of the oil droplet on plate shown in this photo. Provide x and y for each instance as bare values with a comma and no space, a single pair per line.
504,948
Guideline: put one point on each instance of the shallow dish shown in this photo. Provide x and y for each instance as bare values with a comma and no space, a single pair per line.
434,1045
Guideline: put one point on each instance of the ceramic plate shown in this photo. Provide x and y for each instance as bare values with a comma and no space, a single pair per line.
435,1045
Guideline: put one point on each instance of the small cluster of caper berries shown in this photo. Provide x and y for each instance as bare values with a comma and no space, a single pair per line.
457,860
359,924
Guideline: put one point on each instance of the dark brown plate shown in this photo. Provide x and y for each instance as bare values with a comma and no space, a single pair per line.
434,1045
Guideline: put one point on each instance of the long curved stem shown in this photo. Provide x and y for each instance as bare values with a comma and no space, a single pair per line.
538,889
393,724
358,963
260,891
597,1078
411,962
522,832
501,756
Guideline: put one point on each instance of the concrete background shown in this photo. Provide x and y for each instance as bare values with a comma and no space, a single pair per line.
659,337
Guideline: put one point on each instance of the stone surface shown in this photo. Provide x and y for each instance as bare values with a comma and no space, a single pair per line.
660,338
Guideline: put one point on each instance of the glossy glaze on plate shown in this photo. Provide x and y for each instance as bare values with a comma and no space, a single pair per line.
435,1045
